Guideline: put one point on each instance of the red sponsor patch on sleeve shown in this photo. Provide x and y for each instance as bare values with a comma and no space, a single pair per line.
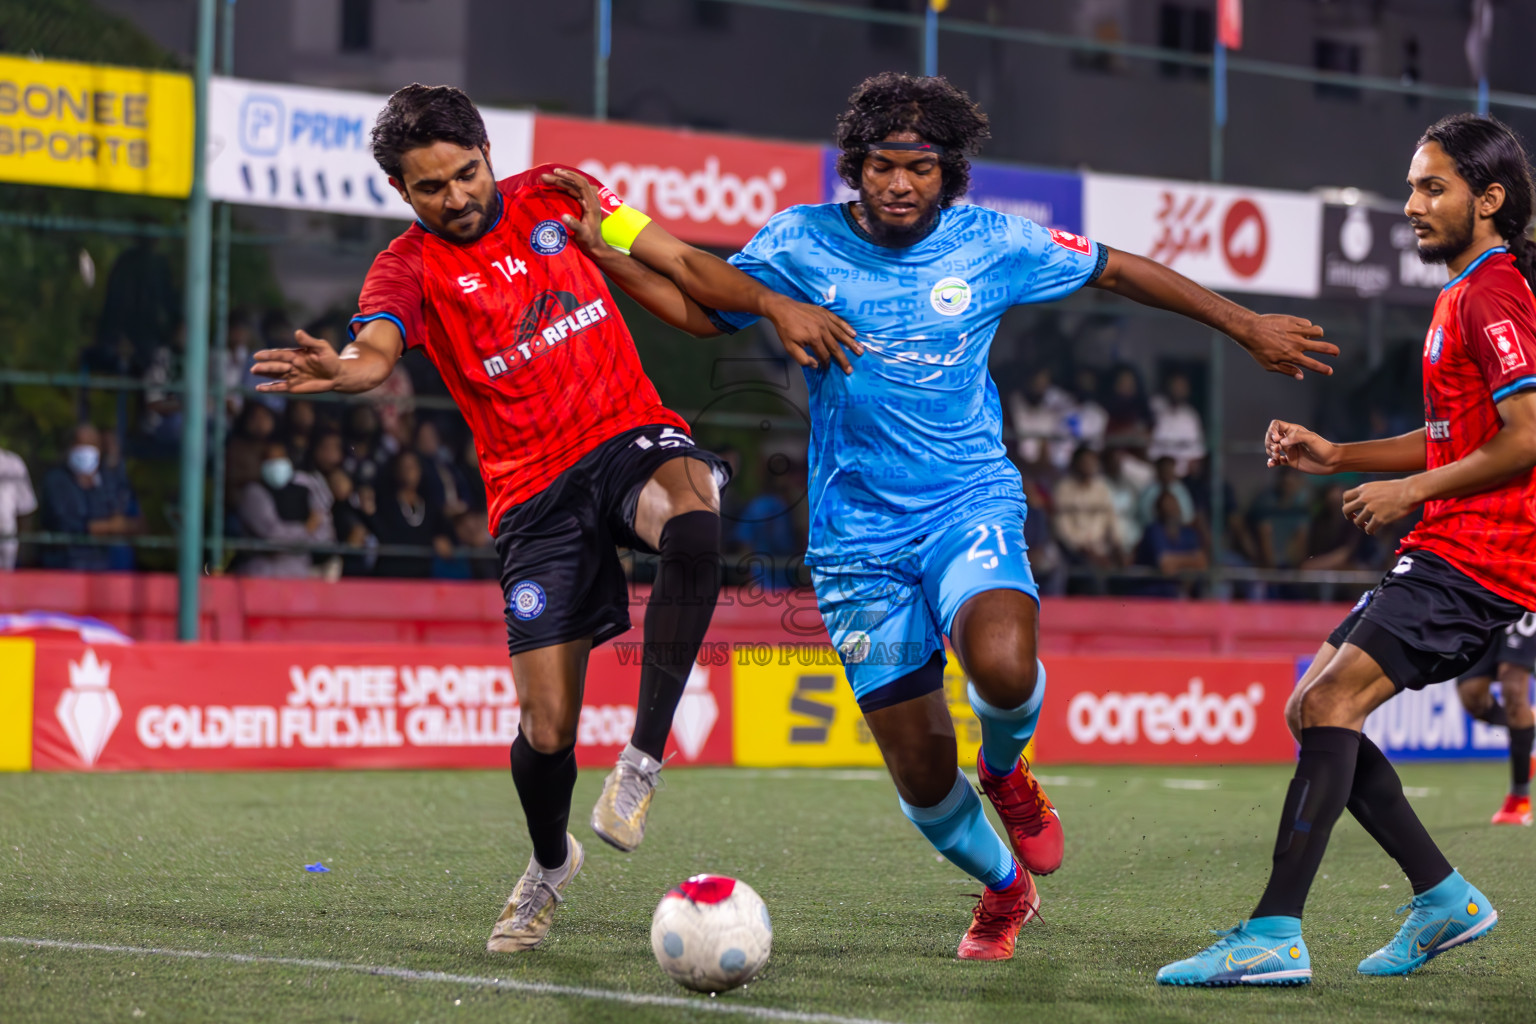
608,199
1067,240
1506,344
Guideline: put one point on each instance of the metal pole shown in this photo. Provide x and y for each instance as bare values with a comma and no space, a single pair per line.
931,39
1215,431
1218,109
221,324
1482,96
194,438
600,62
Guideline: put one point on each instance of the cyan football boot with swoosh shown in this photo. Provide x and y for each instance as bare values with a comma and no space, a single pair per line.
1451,913
1262,951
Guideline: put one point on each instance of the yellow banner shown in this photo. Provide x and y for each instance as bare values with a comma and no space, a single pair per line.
16,663
792,707
90,126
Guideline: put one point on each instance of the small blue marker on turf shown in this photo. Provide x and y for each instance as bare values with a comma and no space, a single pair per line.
316,867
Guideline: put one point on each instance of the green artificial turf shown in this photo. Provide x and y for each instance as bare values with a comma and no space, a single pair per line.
866,917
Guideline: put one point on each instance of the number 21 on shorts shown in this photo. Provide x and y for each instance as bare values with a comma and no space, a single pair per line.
983,532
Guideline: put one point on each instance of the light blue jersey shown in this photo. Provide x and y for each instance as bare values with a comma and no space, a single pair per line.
913,436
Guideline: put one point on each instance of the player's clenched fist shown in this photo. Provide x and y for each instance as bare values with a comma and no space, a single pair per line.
1291,444
310,368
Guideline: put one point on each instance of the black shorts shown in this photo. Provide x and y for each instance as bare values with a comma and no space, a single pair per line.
560,572
1426,621
1515,646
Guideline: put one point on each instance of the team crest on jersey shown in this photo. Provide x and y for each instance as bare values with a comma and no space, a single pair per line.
548,237
855,647
527,600
950,297
1436,344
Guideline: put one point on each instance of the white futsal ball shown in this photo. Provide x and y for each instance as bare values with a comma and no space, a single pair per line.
711,933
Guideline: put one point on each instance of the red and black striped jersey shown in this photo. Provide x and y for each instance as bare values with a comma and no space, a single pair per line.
524,331
1480,349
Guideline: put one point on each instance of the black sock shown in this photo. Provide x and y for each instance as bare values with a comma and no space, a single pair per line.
1520,741
1378,804
1493,714
676,619
1325,772
544,783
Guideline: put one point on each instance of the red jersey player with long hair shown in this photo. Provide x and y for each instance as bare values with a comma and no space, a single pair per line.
578,453
1464,575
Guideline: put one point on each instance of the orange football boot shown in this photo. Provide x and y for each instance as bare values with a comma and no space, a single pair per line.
998,916
1029,817
1516,811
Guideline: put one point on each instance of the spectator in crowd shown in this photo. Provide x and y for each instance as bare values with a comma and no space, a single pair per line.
326,452
1239,550
279,509
1281,514
1333,542
17,501
442,481
75,501
1037,414
1086,421
404,517
1045,558
474,483
298,430
471,536
118,493
162,424
1167,480
1129,416
254,430
352,509
139,313
238,376
1171,546
368,448
769,533
1127,478
1084,514
1177,430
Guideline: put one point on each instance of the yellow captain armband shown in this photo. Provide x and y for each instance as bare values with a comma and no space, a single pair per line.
623,226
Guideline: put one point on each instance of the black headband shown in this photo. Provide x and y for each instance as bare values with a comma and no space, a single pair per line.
921,147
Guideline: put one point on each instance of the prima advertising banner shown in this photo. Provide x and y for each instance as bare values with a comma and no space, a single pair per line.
1370,253
91,126
308,149
704,188
251,706
1053,199
1226,237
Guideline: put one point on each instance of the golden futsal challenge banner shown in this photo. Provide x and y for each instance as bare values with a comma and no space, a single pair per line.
96,127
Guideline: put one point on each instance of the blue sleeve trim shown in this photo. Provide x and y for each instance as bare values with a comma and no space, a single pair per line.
1099,263
1523,384
722,325
360,319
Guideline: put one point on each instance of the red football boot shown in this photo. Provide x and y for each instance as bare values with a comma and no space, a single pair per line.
1516,811
997,919
1034,828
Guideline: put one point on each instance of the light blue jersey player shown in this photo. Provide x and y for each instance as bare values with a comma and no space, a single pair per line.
917,516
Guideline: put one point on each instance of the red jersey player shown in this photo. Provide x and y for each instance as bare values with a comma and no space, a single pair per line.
1465,573
577,451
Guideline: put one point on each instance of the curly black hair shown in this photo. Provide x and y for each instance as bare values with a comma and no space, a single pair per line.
938,112
419,115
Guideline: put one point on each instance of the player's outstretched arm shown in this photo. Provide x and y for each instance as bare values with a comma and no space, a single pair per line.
1279,343
1509,453
314,366
813,336
1293,445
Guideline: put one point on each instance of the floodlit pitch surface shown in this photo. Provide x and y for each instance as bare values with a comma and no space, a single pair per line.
184,897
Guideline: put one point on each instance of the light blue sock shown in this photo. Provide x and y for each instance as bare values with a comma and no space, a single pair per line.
958,828
1005,732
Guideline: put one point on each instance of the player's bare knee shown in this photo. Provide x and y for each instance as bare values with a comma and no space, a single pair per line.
1293,712
1005,680
1320,704
1474,695
547,733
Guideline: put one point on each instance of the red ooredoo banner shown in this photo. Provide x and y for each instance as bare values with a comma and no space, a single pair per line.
705,189
1165,711
251,706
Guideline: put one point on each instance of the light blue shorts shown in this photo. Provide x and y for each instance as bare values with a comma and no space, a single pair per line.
888,616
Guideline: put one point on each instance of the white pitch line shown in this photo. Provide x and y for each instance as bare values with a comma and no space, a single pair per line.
500,984
1190,784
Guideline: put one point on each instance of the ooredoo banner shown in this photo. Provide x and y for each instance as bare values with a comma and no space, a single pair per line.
1225,237
250,706
706,189
308,149
1166,711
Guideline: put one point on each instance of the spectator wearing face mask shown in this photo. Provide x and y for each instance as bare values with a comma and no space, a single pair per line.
74,501
279,509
